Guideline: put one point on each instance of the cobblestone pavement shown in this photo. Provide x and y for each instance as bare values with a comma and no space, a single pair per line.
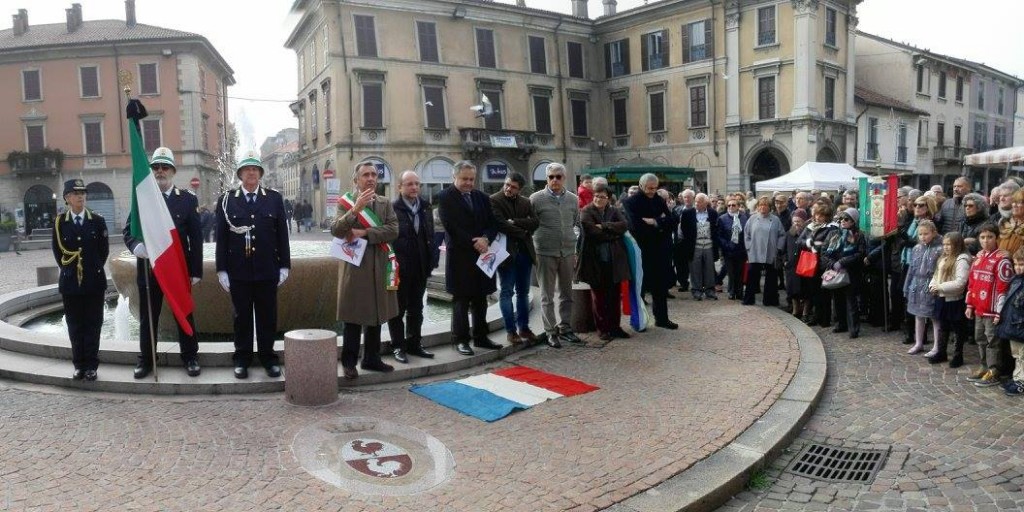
953,446
667,400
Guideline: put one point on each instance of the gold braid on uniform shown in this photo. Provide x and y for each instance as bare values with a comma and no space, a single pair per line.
68,257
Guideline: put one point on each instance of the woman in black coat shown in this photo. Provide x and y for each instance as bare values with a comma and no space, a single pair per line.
846,251
603,263
815,239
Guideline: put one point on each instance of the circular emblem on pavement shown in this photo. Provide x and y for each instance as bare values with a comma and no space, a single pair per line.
372,456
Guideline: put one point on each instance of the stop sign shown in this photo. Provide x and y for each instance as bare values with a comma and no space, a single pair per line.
194,183
328,174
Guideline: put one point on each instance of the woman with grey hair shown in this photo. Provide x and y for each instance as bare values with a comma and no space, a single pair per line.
975,214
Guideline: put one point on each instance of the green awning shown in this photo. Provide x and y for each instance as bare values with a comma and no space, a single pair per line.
632,172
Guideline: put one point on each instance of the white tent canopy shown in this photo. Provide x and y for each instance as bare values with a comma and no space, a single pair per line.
814,175
996,157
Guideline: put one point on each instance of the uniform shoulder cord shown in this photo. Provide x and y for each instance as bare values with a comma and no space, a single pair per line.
68,257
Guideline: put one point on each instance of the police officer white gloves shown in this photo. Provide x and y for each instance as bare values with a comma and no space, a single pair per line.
224,282
140,251
284,276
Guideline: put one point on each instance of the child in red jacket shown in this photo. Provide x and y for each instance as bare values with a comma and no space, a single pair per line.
987,284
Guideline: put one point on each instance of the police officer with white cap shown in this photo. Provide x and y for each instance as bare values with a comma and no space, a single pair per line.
253,258
184,209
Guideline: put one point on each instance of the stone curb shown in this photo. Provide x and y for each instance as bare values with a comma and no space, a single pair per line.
710,483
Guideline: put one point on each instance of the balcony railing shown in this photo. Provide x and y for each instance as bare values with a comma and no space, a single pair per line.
43,161
478,139
655,61
950,153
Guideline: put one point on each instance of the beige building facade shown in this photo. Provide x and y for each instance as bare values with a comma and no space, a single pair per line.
737,90
65,110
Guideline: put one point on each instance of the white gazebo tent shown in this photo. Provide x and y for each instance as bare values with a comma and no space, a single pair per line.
814,176
1006,158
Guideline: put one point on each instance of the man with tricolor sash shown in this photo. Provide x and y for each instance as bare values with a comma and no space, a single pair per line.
368,292
253,260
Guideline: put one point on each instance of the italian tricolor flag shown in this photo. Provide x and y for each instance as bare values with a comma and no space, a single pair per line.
151,223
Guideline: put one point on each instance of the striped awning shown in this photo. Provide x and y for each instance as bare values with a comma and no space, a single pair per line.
998,156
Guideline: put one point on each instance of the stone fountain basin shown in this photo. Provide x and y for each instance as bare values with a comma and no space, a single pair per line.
308,299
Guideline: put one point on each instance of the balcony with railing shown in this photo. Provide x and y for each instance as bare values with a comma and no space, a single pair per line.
949,154
480,139
655,61
39,162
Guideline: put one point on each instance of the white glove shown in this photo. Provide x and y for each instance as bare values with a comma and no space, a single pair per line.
224,282
195,280
140,251
284,276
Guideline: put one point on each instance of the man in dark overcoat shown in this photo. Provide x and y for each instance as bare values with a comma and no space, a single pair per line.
469,227
651,224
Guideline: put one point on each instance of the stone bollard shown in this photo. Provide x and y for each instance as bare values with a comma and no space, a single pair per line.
311,365
582,315
47,275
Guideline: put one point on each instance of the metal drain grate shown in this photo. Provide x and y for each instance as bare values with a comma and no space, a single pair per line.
833,464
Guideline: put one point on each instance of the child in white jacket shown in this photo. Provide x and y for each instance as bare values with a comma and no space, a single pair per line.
949,284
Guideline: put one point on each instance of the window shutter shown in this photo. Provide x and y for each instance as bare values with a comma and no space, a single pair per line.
709,40
664,49
686,44
645,56
608,60
625,56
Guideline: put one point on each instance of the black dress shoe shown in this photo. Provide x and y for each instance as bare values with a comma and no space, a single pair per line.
142,371
400,356
463,348
937,358
957,361
552,340
669,296
619,333
90,375
838,329
570,336
377,366
273,371
241,372
420,352
78,375
488,344
349,373
667,324
192,368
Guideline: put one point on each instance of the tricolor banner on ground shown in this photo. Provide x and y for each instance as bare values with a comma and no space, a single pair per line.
492,396
151,224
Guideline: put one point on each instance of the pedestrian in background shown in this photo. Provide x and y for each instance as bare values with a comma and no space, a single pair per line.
764,239
700,246
731,244
80,248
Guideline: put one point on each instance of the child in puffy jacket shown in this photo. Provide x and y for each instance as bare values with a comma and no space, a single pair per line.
987,284
1011,324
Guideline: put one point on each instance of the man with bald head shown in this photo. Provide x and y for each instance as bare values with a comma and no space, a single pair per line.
952,211
415,250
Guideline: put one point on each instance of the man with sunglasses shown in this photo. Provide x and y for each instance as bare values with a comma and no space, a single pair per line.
184,210
558,218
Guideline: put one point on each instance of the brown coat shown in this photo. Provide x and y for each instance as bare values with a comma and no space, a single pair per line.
589,268
362,296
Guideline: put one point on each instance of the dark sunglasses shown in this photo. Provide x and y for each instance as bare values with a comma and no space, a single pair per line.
555,177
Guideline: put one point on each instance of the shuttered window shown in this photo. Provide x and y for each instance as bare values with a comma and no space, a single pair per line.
698,41
90,80
30,85
426,32
575,52
366,36
485,48
538,55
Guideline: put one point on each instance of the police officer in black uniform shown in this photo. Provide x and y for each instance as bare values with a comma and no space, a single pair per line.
253,258
184,210
80,247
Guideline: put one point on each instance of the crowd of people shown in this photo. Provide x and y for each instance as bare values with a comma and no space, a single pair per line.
953,265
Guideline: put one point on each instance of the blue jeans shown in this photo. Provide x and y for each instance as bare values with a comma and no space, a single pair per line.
515,278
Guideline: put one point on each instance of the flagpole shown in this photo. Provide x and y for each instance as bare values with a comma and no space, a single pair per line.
125,79
149,309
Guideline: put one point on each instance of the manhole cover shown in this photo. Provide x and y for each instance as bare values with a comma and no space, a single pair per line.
373,457
833,464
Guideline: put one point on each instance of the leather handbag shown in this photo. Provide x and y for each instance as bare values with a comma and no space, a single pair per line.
835,279
807,264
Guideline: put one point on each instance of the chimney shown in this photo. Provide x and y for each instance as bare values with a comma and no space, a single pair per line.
579,8
129,13
520,3
20,22
609,7
74,16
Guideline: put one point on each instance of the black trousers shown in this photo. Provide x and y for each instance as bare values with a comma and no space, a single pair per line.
189,345
771,284
847,315
84,315
734,267
462,307
682,265
406,334
254,300
350,344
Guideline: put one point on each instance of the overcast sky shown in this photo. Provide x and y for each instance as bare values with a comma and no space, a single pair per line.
251,34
